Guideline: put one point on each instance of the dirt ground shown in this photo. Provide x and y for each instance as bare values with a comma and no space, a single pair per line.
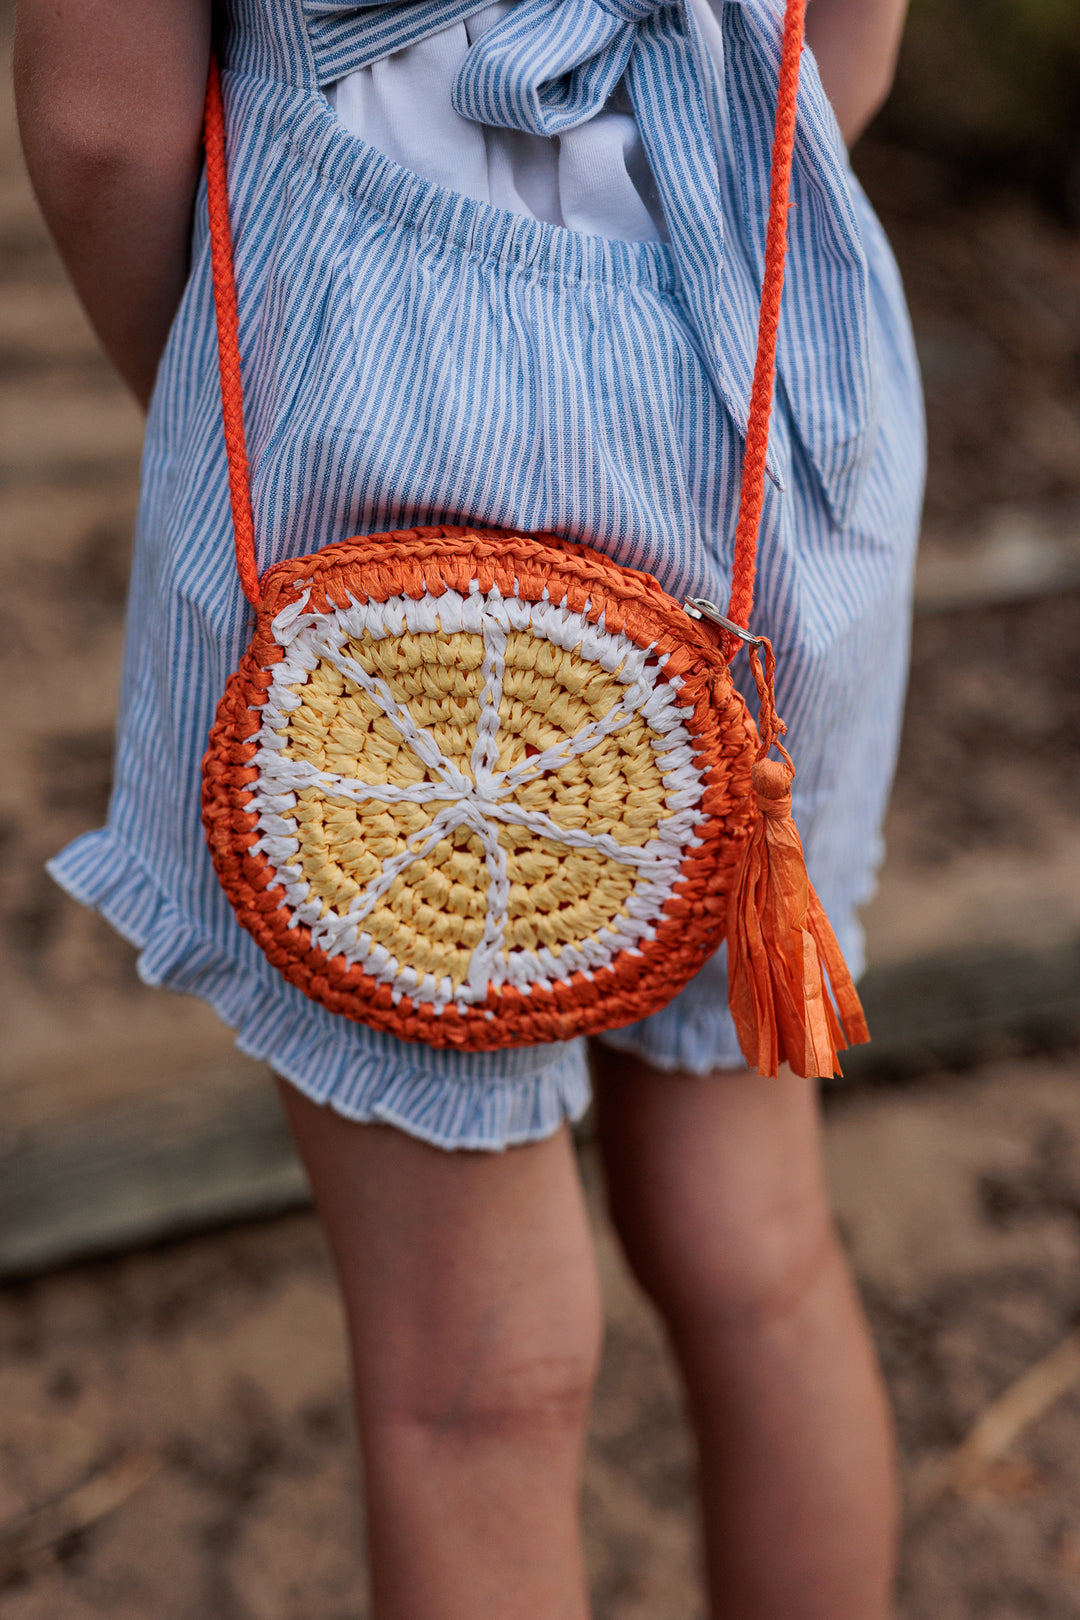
175,1438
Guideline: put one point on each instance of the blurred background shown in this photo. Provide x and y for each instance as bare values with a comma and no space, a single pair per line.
175,1438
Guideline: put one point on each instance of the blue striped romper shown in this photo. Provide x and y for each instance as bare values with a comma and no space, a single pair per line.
415,356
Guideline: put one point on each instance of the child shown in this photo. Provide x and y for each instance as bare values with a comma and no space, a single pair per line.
445,319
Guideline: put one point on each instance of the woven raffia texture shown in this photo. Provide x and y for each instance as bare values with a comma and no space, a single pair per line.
478,790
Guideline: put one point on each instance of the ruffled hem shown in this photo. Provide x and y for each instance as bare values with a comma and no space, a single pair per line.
277,1025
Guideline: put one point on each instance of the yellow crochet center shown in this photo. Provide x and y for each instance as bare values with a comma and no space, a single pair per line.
433,916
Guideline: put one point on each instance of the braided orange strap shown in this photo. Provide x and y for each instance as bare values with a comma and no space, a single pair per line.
232,393
752,492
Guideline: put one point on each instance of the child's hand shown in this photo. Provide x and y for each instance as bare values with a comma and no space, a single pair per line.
109,96
856,44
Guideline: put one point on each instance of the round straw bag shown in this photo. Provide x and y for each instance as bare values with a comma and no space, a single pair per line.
481,789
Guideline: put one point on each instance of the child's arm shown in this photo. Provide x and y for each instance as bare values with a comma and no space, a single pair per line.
856,44
109,96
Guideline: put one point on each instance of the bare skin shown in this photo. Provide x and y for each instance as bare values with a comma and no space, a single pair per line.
468,1279
109,95
856,43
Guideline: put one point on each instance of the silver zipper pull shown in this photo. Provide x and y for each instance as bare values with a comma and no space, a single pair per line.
698,607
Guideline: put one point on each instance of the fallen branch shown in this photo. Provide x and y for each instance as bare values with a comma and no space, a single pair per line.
980,1465
25,1538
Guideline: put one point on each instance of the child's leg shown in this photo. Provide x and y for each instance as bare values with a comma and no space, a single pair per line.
717,1192
475,1324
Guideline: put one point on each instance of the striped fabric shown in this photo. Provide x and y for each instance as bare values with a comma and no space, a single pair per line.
551,64
413,356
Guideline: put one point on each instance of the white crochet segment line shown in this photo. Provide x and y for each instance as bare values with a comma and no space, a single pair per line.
483,804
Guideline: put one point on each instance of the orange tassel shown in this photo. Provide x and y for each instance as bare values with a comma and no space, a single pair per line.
782,952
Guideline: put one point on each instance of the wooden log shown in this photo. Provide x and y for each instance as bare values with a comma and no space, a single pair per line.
211,1146
1016,557
966,1006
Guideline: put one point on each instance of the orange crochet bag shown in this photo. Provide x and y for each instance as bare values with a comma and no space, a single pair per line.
482,789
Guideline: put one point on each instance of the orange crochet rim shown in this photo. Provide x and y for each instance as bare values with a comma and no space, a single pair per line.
686,673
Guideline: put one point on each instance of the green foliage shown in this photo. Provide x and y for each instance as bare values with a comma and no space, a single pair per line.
993,87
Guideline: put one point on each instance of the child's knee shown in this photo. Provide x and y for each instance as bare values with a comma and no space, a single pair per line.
741,1268
533,1396
523,1368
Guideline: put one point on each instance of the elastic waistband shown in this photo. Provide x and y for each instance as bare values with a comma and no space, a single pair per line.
406,200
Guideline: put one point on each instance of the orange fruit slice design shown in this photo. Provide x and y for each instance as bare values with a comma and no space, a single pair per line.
488,813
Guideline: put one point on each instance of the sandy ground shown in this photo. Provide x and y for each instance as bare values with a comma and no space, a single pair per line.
187,1406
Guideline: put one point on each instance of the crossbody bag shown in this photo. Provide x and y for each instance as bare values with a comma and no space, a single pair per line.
480,789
